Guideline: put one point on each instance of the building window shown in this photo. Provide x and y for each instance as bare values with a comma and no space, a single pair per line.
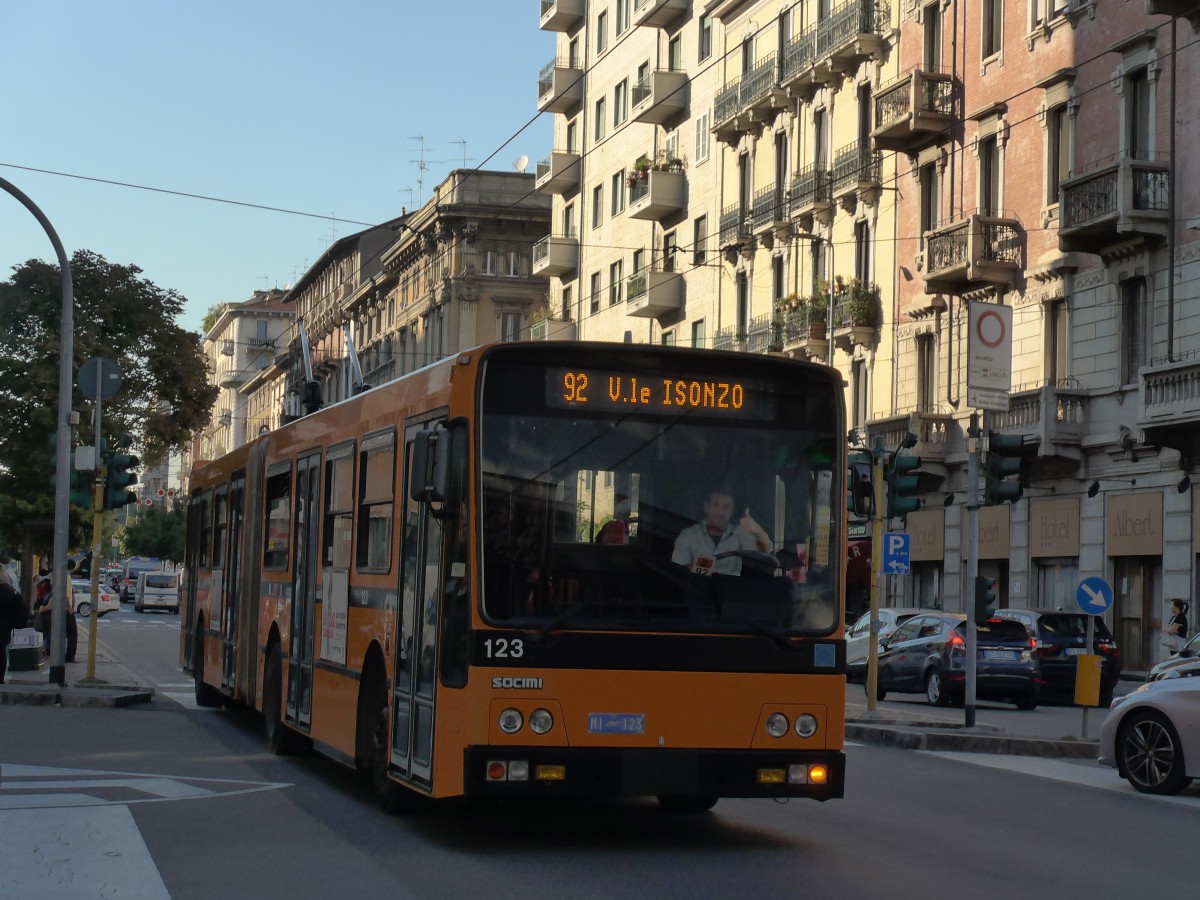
671,143
1137,114
1042,11
616,279
569,220
510,326
639,260
573,60
1058,151
594,303
601,112
862,252
778,278
930,199
993,27
621,102
622,22
602,32
705,37
618,192
597,205
817,258
566,303
931,37
989,176
1133,328
858,393
698,333
668,338
1058,344
699,240
668,254
702,137
572,139
675,54
926,373
747,55
743,305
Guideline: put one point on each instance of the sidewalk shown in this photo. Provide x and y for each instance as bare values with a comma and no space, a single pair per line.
114,685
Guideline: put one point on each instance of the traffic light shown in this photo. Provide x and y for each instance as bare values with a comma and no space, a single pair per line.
901,485
860,492
80,489
985,599
117,478
1004,455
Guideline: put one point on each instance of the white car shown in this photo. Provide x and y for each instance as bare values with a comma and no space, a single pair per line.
106,601
890,618
1152,736
158,590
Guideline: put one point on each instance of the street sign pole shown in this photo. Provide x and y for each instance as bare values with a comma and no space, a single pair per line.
876,576
971,571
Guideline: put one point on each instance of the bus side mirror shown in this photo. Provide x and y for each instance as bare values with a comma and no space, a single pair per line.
430,466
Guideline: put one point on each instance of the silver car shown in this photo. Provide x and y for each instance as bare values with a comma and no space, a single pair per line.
1152,736
857,646
1189,653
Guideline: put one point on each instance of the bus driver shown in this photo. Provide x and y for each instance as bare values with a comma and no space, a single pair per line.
699,545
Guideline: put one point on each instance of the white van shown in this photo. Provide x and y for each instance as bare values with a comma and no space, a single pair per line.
156,590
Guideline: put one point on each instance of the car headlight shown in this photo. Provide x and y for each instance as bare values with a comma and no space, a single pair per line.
777,725
540,721
806,725
511,721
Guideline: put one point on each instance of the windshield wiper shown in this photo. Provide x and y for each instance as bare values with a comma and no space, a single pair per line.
782,639
554,624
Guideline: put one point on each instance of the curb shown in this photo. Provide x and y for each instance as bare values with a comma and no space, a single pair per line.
908,738
76,696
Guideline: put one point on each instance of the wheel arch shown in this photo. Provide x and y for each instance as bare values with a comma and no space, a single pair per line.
372,675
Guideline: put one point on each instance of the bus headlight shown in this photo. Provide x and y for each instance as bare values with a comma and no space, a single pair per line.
540,721
806,725
511,721
777,725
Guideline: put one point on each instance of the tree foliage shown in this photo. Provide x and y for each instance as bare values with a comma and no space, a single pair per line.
158,532
165,393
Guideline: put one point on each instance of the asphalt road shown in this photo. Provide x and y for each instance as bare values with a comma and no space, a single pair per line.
162,800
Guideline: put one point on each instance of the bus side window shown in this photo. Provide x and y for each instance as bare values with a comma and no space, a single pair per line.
278,518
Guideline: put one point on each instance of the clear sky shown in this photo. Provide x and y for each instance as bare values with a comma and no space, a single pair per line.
299,105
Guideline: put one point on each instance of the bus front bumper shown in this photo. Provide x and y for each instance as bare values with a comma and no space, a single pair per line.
596,773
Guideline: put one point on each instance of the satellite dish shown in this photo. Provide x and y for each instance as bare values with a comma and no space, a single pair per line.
521,163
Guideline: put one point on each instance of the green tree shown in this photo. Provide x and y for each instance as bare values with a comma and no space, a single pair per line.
158,532
165,394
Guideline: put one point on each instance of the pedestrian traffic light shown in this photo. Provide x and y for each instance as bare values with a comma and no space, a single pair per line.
860,491
1004,455
117,477
985,599
901,485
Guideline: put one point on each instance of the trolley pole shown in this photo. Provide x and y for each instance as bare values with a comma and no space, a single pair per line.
877,515
971,570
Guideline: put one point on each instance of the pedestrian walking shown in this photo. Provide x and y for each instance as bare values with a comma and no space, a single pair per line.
1175,632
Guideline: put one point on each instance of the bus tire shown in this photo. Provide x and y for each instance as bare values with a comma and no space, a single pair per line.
687,804
281,740
206,694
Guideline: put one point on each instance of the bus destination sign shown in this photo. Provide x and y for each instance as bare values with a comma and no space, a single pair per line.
606,390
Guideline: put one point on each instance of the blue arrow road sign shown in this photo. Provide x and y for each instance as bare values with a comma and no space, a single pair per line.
1094,595
895,552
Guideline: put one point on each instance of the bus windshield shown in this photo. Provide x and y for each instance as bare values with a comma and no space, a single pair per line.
653,490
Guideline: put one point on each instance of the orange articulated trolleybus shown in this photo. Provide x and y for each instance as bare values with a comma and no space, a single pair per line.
461,581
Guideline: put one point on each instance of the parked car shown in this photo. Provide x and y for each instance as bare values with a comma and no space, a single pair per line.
1061,635
157,590
927,654
106,600
133,566
1189,653
1152,736
857,643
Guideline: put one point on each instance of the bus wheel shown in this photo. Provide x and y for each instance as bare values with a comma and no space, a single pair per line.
206,694
281,740
687,804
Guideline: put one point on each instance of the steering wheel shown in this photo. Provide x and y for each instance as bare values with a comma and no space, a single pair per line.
755,561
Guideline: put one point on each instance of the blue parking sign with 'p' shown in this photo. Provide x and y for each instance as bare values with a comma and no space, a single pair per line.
896,545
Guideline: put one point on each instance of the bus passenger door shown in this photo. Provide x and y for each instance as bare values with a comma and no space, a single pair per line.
229,596
416,645
304,577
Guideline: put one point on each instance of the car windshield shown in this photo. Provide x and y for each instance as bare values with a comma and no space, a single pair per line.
585,506
1069,625
1002,631
160,581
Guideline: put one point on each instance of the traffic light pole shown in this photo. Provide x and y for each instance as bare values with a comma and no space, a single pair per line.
97,535
876,574
971,570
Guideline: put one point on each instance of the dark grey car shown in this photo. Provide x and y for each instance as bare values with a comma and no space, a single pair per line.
927,654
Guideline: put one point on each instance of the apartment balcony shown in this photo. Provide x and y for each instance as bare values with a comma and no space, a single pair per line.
939,440
914,112
749,101
1055,414
797,71
657,195
768,211
811,194
562,15
800,338
1118,200
231,378
653,292
556,255
260,343
851,33
553,330
660,97
560,87
658,13
726,106
857,170
973,251
1185,9
1170,403
734,227
558,173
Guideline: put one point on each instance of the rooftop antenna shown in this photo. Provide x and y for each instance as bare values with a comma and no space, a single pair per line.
409,191
422,164
521,162
463,142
